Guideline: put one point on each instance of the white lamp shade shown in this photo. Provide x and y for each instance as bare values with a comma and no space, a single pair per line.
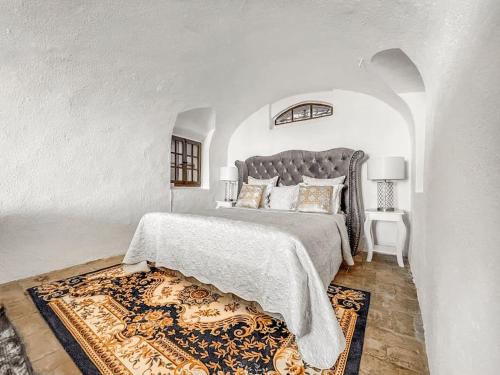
228,173
386,168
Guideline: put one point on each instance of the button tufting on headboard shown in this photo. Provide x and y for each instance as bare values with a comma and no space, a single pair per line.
291,165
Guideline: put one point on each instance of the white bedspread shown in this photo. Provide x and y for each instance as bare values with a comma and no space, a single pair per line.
283,260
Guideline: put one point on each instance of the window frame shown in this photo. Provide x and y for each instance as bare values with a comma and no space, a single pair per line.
184,166
303,104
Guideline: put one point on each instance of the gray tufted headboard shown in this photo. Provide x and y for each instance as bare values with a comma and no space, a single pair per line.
291,165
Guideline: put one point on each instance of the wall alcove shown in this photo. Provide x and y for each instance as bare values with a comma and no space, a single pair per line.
198,125
378,130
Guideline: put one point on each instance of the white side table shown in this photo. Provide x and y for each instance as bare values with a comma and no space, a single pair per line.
394,216
225,204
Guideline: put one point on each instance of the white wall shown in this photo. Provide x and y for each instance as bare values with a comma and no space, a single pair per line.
359,122
416,103
457,265
75,183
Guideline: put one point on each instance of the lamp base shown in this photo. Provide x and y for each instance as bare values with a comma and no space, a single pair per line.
385,209
229,191
385,195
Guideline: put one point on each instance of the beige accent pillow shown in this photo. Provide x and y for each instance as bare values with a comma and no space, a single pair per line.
337,184
315,199
269,184
250,196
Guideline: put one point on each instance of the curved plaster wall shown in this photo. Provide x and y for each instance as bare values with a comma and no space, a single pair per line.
377,129
458,213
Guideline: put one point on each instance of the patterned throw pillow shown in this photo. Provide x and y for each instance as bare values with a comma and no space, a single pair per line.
337,184
315,199
250,196
269,183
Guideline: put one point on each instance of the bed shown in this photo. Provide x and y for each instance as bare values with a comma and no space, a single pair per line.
283,260
291,165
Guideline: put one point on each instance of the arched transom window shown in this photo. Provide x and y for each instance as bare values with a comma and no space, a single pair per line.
303,111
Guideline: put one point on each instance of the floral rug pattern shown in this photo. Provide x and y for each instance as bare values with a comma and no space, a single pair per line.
161,322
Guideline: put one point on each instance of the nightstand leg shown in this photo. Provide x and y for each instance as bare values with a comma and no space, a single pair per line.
369,239
401,242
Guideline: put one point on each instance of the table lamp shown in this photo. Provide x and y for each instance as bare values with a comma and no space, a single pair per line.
229,175
384,170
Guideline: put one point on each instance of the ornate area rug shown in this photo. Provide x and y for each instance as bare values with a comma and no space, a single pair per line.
161,322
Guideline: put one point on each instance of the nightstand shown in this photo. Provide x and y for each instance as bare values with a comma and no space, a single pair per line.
225,204
396,216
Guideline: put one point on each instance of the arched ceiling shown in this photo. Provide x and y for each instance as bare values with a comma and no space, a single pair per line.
233,56
103,64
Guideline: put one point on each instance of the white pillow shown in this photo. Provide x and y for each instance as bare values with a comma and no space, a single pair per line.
323,181
337,189
337,198
284,198
270,183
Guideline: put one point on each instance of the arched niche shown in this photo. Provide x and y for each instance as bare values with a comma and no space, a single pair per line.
401,74
398,71
198,124
360,121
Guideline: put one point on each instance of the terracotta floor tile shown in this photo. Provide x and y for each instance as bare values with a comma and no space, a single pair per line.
107,262
29,324
36,280
20,308
40,344
65,367
371,365
11,292
51,362
404,351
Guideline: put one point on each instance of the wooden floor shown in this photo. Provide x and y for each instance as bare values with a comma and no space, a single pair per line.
393,344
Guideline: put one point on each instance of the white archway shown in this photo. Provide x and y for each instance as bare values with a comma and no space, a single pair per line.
378,129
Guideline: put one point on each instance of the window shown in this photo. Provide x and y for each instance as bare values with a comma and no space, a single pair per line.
304,111
185,162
